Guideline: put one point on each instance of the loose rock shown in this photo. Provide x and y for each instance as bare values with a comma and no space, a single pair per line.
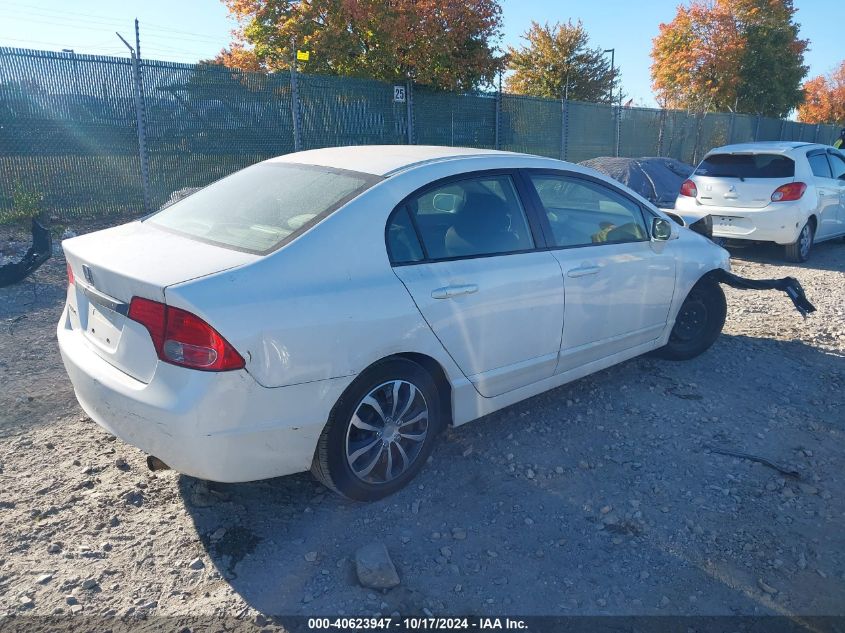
375,568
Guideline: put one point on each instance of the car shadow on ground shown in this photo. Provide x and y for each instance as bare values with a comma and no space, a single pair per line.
823,256
603,496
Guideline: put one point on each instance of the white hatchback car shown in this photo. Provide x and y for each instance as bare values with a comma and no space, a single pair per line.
788,193
334,309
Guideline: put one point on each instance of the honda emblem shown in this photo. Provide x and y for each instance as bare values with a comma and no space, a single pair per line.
86,271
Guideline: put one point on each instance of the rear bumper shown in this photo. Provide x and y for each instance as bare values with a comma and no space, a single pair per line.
220,426
780,224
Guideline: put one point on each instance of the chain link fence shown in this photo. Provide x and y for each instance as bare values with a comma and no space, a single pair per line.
69,126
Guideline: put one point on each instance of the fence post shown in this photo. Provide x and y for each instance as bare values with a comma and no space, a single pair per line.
564,128
142,122
294,107
617,132
816,135
757,128
731,128
409,100
660,132
699,126
499,114
142,133
782,129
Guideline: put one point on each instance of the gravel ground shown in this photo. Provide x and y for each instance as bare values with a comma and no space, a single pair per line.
605,496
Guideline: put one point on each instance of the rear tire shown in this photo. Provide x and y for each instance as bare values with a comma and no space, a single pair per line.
698,324
380,432
799,250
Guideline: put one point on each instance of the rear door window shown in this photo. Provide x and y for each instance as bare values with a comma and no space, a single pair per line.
746,166
819,166
258,208
403,247
466,218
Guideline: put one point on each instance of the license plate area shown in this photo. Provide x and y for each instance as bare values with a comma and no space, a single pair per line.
103,327
726,226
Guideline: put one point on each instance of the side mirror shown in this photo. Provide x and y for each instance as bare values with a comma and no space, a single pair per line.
661,230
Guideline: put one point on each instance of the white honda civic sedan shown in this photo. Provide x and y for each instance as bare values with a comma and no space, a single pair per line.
335,309
789,193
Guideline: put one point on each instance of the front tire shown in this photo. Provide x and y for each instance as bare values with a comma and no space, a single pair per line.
380,432
799,250
698,324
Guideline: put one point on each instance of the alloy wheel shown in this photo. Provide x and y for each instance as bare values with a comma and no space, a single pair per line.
805,240
387,432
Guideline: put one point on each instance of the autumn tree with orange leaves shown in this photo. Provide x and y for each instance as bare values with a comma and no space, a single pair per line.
447,44
737,55
824,98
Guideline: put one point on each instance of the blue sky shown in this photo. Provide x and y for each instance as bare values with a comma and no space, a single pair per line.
188,30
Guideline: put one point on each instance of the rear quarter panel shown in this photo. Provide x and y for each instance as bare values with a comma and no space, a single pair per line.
326,305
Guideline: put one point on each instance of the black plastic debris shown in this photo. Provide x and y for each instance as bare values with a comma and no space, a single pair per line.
789,285
37,254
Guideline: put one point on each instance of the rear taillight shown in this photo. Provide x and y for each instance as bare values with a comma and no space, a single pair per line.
69,275
790,192
182,338
689,189
153,316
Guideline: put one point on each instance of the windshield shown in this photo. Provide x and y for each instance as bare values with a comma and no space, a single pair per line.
258,208
746,166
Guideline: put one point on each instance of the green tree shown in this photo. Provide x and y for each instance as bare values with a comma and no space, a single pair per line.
738,55
772,64
558,59
447,44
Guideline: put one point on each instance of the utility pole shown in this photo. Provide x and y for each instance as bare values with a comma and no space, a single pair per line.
565,77
137,40
618,114
612,52
139,116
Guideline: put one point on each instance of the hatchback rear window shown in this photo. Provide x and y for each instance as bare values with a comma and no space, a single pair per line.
258,208
746,166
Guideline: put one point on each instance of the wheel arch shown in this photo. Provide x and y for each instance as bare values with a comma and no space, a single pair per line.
438,374
434,369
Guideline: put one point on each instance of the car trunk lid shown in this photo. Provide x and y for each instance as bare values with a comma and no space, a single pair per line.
133,260
741,179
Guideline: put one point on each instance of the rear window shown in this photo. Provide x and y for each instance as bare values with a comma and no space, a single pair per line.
258,208
746,166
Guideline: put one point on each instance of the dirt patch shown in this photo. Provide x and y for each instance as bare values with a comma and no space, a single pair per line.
605,496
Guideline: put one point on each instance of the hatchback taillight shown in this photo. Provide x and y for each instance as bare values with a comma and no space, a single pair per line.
69,275
184,339
689,189
788,193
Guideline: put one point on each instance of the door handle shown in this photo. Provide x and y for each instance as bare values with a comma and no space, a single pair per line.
583,271
447,292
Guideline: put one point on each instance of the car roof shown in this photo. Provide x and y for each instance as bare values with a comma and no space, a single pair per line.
769,147
386,160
